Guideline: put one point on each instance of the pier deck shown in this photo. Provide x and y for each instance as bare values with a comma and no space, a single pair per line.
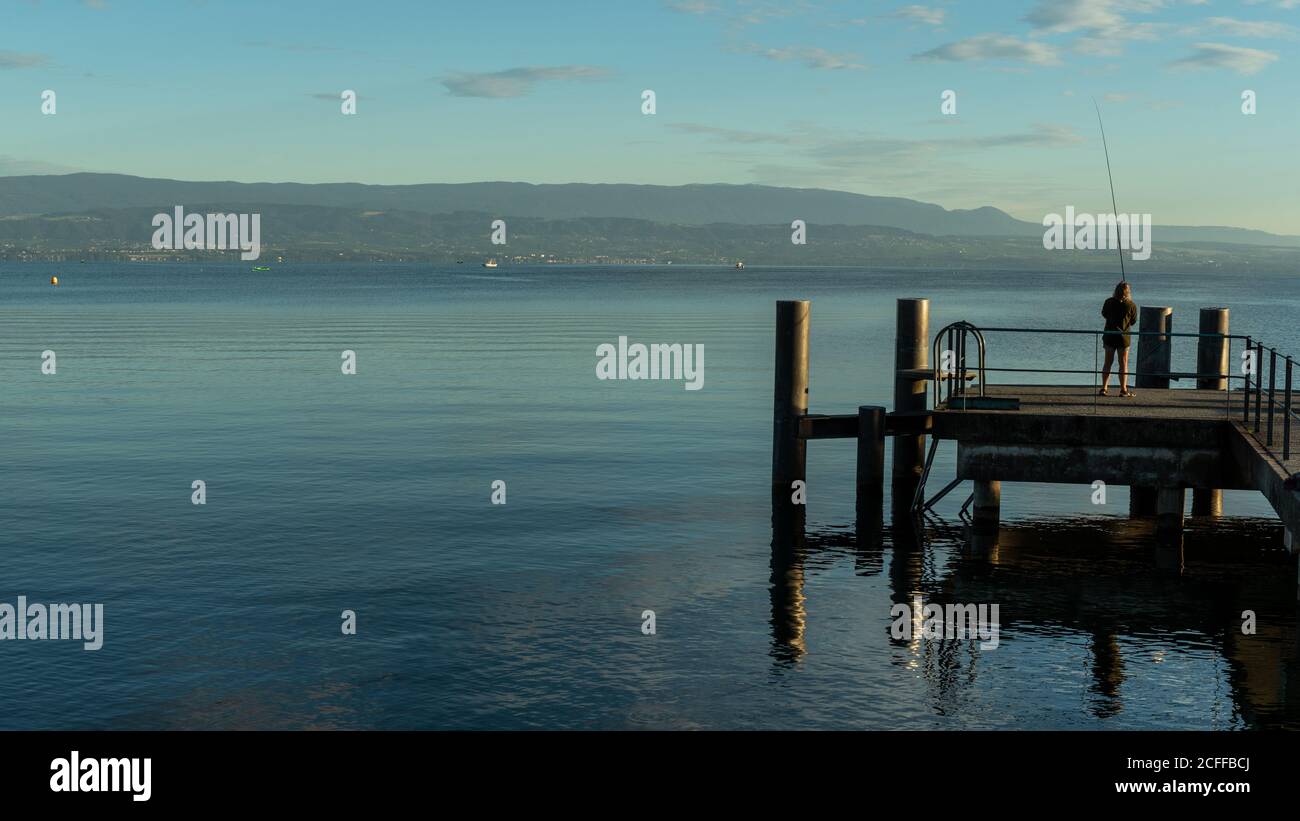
1163,403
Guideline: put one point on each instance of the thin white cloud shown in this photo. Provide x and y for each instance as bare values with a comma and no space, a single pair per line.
809,56
732,135
848,149
16,167
515,82
1063,16
994,47
1242,60
1100,26
18,59
920,14
1232,27
692,6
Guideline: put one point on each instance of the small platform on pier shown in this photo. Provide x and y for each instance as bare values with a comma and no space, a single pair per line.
1081,400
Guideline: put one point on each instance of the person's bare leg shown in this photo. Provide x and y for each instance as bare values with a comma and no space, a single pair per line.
1105,370
1123,372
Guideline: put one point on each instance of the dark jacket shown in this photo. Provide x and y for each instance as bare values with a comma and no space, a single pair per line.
1120,314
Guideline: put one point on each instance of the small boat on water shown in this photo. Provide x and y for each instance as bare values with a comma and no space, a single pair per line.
740,266
261,267
491,263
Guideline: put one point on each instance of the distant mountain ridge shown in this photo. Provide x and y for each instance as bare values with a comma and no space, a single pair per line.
297,233
698,204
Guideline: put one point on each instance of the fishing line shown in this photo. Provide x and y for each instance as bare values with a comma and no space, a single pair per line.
1114,208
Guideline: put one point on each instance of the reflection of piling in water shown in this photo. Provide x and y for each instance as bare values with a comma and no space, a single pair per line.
1107,673
1169,555
1170,502
786,583
983,541
906,566
1047,582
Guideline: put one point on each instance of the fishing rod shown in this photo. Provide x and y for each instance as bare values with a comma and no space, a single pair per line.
1119,243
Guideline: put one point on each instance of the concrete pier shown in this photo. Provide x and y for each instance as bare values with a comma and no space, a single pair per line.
1159,443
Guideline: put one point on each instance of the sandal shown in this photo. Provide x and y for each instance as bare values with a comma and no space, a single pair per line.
1102,392
1127,394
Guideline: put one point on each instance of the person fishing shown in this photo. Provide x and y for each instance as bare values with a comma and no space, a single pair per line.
1120,313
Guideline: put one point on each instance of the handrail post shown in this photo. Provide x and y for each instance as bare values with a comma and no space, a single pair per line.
948,355
1245,389
1286,416
961,363
1259,382
1272,384
1227,392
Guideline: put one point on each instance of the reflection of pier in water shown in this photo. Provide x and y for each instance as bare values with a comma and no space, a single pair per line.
1111,582
1106,580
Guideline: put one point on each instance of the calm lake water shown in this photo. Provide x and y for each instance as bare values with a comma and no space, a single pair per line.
371,493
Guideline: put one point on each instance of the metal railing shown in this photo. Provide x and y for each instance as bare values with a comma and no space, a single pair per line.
952,380
1287,407
1272,415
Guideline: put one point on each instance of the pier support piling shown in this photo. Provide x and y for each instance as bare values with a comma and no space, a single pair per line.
1170,502
911,351
1141,501
789,452
1154,353
986,512
1212,351
1207,501
871,460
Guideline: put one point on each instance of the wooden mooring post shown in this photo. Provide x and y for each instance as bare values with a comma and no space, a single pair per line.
911,352
1154,363
1211,359
871,459
790,396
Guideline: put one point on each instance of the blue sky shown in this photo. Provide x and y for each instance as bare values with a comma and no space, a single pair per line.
842,95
